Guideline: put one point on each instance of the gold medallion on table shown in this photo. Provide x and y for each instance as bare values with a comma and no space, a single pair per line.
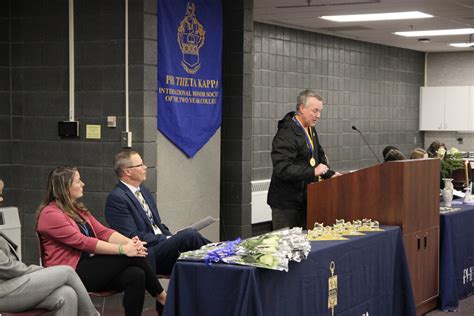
332,288
312,162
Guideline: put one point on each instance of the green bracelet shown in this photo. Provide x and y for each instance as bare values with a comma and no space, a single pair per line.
120,249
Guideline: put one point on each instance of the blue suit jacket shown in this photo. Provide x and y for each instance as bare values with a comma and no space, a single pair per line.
125,214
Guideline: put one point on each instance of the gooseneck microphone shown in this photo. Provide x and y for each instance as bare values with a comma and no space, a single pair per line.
366,142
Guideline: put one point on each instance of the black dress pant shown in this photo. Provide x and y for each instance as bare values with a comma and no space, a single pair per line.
282,218
167,251
132,275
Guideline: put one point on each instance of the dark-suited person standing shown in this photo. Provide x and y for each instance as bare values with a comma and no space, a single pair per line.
298,159
131,210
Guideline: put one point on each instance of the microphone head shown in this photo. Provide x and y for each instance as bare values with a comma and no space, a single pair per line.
354,128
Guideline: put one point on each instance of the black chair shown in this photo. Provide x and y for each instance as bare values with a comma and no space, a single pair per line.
459,178
31,312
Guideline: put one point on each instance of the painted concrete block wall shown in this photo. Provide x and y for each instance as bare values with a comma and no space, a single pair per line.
236,132
450,69
34,97
188,189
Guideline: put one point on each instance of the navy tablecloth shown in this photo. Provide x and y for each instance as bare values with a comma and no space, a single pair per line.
372,275
456,256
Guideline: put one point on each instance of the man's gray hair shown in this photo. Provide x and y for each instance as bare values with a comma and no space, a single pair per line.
303,98
122,161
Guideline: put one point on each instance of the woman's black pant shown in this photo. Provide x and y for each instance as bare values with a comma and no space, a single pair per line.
132,275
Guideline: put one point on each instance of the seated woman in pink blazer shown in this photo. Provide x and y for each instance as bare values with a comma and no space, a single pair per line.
103,258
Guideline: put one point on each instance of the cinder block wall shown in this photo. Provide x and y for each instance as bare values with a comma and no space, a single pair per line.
5,108
371,86
236,133
34,97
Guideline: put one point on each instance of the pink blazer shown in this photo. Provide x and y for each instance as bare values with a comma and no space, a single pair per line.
61,239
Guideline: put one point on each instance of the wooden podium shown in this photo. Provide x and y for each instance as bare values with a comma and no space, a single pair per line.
403,193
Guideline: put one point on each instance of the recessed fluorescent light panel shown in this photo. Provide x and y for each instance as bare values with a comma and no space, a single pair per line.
436,32
462,45
377,16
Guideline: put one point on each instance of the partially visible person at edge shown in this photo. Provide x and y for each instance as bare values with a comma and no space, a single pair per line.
298,159
436,149
418,153
393,155
104,259
57,289
131,209
386,150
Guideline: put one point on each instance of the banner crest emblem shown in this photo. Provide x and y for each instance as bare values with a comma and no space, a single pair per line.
191,37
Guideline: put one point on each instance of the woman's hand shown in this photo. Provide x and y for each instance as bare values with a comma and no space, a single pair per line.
140,245
134,248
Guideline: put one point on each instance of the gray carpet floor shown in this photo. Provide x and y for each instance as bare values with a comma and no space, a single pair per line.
466,308
113,307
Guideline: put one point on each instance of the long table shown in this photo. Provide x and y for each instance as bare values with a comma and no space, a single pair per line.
373,279
456,256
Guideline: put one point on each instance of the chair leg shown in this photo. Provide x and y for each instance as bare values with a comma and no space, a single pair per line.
103,307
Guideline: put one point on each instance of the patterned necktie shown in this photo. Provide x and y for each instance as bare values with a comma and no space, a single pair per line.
148,213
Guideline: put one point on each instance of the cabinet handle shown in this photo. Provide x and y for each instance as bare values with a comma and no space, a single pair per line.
426,241
418,241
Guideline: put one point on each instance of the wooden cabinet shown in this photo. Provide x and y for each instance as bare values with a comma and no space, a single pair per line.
423,258
446,108
457,108
432,104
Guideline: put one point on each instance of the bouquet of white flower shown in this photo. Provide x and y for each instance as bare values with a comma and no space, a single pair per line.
271,251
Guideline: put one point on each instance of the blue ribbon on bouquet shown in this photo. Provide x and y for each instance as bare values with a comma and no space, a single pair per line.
227,250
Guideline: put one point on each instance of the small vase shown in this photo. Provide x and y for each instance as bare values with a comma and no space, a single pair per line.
448,192
467,196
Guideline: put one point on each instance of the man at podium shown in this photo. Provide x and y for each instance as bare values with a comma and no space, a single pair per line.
298,159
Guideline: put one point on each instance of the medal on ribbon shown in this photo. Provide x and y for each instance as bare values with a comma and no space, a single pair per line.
309,141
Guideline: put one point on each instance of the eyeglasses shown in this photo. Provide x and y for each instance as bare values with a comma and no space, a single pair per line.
136,166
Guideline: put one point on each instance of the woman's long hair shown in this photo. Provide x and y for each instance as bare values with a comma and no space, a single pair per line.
418,153
434,146
58,190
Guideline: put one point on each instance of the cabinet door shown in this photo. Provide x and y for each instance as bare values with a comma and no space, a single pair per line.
414,253
432,101
457,108
430,243
422,251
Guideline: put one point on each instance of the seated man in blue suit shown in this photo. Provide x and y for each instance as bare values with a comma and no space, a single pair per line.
131,210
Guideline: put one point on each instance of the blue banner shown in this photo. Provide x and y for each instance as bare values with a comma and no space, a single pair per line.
189,71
